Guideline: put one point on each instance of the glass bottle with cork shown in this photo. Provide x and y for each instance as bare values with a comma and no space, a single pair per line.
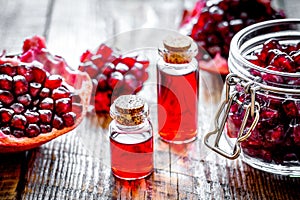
178,90
131,138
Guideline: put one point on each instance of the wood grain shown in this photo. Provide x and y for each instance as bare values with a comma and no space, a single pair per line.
76,165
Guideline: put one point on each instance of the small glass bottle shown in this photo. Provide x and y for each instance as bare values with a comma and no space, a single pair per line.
178,90
131,138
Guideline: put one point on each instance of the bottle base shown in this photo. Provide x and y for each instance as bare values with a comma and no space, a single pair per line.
179,141
291,171
133,178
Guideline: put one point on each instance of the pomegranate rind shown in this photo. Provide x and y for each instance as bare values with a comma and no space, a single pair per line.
216,65
78,80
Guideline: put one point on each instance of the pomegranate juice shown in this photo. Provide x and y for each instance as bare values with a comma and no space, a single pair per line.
177,103
131,154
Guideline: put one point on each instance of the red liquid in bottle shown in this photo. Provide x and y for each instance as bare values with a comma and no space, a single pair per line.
177,103
131,154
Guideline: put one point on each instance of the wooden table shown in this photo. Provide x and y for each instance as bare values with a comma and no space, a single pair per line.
75,166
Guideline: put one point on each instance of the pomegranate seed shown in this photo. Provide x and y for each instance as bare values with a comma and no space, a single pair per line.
47,104
122,68
20,85
24,99
32,116
45,116
290,108
102,82
108,69
57,122
53,81
32,130
115,78
34,89
8,69
26,72
18,133
105,51
5,82
5,115
63,105
98,61
6,97
6,130
45,128
60,92
128,62
69,119
45,92
17,107
18,121
39,75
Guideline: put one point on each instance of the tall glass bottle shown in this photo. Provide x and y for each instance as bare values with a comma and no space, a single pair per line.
178,90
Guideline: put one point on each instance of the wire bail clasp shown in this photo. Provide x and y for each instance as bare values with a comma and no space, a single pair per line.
251,109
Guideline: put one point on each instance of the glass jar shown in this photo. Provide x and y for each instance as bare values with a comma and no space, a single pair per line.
261,110
177,90
131,138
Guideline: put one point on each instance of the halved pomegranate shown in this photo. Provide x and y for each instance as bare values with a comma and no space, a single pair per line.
213,23
41,97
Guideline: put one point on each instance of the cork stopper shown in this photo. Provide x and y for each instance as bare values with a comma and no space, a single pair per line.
129,110
129,104
177,43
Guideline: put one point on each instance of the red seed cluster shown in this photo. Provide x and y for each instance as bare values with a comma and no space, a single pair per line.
276,137
32,101
113,75
216,22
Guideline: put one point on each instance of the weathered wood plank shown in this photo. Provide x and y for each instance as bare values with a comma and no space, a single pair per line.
21,19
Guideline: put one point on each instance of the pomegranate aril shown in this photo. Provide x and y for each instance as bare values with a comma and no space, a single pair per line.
283,62
58,122
32,130
39,75
17,108
53,81
128,61
45,128
60,92
18,133
122,68
69,119
32,116
25,99
8,69
114,79
20,85
34,89
5,115
46,104
45,92
5,82
63,105
25,71
6,130
102,82
45,116
105,51
18,121
290,109
108,69
6,97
